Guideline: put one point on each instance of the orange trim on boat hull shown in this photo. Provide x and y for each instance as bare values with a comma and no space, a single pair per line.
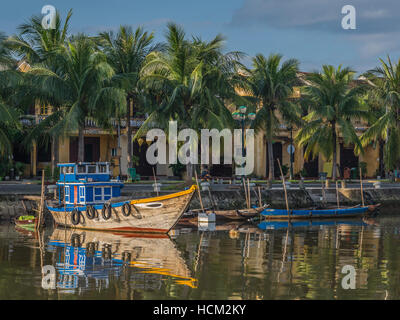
168,196
133,229
124,230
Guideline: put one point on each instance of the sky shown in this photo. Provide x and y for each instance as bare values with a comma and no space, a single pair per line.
308,30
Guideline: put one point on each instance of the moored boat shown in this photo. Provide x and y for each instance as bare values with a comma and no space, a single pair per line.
319,213
94,254
26,222
230,215
92,201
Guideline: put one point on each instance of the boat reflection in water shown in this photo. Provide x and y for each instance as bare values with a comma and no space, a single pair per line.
84,255
283,224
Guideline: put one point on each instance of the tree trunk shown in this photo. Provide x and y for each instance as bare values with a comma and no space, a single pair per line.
53,165
271,174
189,173
54,153
334,155
381,156
81,144
119,147
129,132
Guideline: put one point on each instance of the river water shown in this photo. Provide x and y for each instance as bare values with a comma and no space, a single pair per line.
229,261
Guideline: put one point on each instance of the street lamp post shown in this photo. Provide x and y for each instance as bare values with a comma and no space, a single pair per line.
241,117
291,153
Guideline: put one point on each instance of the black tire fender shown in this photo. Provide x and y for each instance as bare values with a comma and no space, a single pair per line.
106,211
91,212
75,217
126,209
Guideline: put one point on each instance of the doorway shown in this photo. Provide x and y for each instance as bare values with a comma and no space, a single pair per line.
277,153
311,165
91,149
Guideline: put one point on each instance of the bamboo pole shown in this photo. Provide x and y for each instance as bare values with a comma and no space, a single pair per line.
41,203
259,196
337,196
245,192
249,193
155,180
65,204
284,189
361,188
24,206
211,199
198,190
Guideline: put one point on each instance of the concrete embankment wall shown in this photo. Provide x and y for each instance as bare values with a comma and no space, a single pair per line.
12,206
235,199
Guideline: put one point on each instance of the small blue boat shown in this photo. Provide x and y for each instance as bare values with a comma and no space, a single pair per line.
318,213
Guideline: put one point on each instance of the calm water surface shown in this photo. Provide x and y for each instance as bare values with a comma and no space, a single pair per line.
233,262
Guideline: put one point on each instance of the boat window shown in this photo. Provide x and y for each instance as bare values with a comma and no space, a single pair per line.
98,196
81,169
70,170
102,168
107,193
91,169
81,194
66,194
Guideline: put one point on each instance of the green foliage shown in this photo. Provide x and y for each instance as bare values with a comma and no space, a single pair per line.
5,167
363,166
135,160
333,104
385,125
303,173
270,84
56,173
285,169
47,173
19,168
177,169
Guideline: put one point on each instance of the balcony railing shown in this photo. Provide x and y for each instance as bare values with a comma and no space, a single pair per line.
31,120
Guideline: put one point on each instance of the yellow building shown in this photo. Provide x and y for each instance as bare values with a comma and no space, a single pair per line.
101,145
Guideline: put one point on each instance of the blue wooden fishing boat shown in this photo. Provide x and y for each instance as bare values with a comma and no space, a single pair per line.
90,199
318,213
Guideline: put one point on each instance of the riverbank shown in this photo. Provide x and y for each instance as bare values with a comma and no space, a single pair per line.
12,205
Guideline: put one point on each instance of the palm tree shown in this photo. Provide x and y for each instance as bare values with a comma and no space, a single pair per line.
9,113
81,84
375,104
6,59
9,80
334,102
34,44
385,91
192,81
126,52
271,82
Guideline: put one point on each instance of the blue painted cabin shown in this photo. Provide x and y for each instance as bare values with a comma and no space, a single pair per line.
87,183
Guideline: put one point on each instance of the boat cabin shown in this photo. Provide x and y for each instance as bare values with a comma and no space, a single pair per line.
86,183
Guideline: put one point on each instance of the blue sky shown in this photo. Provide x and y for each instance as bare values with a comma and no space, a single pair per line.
309,30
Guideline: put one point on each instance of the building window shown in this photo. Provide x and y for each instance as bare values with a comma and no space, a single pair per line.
113,152
44,110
